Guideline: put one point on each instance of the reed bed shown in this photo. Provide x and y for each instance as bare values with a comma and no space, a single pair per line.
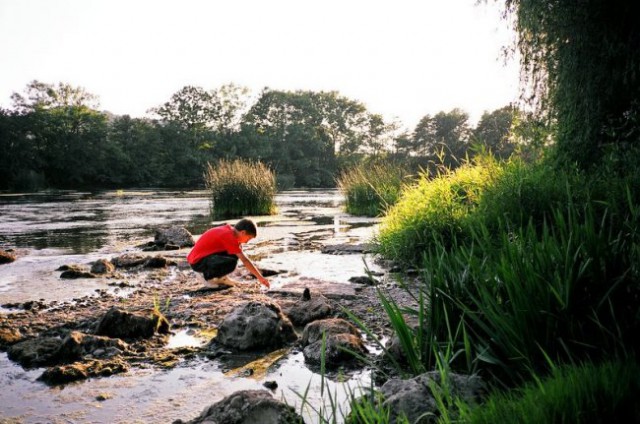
240,188
371,189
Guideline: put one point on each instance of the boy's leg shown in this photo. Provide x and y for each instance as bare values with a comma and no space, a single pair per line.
216,265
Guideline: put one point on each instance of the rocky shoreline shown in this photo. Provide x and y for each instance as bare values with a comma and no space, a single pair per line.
153,294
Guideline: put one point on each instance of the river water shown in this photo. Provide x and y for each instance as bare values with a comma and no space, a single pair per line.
51,229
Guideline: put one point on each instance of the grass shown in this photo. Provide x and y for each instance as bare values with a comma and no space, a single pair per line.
239,188
588,393
370,189
434,207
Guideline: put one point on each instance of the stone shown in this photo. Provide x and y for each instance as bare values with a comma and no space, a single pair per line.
156,262
248,407
341,339
255,325
176,235
119,324
9,336
76,345
309,308
6,257
414,397
102,266
35,352
346,249
74,271
128,260
364,280
62,374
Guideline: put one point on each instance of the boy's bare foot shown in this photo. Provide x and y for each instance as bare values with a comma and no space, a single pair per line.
226,281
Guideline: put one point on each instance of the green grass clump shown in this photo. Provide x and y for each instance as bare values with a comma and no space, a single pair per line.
434,207
370,189
605,393
240,188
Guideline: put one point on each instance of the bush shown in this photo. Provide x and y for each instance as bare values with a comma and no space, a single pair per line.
240,188
372,188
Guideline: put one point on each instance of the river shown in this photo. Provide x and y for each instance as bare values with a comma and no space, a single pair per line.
51,229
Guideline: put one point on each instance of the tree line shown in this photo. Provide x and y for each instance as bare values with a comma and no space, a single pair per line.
55,136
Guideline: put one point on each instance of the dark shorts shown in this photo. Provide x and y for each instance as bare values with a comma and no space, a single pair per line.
216,265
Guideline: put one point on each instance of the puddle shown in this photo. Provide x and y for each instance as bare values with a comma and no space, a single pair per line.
185,338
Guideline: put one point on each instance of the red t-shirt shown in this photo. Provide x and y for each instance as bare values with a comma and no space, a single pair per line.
216,240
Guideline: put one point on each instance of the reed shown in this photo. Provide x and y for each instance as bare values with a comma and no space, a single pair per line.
370,189
240,188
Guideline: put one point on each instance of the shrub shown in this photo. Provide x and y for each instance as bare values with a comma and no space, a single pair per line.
240,188
370,189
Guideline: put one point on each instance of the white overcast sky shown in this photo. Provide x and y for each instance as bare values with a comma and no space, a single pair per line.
401,58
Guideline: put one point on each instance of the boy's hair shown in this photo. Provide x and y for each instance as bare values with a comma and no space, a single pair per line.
247,226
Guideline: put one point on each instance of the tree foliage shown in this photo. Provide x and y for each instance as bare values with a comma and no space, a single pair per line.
581,62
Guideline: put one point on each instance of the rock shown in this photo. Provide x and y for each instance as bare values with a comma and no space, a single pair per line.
62,374
156,262
341,339
346,249
76,345
6,257
331,290
36,352
248,407
74,271
119,324
271,385
9,336
414,396
364,280
255,325
170,246
128,260
102,266
302,312
177,236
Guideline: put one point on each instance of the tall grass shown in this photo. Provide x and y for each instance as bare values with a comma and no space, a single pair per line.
370,189
606,393
434,207
240,188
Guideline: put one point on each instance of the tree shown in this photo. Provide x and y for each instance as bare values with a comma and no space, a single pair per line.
580,61
493,131
39,95
446,132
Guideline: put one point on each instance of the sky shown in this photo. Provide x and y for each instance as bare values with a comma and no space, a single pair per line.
403,59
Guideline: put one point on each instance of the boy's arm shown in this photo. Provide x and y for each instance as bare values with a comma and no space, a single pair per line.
252,269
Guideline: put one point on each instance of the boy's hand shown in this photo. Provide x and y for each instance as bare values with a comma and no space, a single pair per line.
264,282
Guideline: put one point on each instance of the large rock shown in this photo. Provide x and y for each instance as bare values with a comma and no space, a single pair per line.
342,338
248,407
76,345
128,260
176,236
61,374
256,325
36,352
414,397
74,271
309,307
119,324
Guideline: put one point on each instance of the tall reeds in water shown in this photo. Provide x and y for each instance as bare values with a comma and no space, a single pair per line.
240,188
370,189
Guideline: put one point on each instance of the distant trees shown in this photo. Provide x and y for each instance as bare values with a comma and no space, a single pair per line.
55,136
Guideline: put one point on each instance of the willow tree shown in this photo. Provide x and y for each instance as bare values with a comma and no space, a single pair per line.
582,60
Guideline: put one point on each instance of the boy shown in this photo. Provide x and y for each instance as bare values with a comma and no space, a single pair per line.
216,253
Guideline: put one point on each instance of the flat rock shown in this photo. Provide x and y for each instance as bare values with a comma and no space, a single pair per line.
331,290
61,374
120,324
346,249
